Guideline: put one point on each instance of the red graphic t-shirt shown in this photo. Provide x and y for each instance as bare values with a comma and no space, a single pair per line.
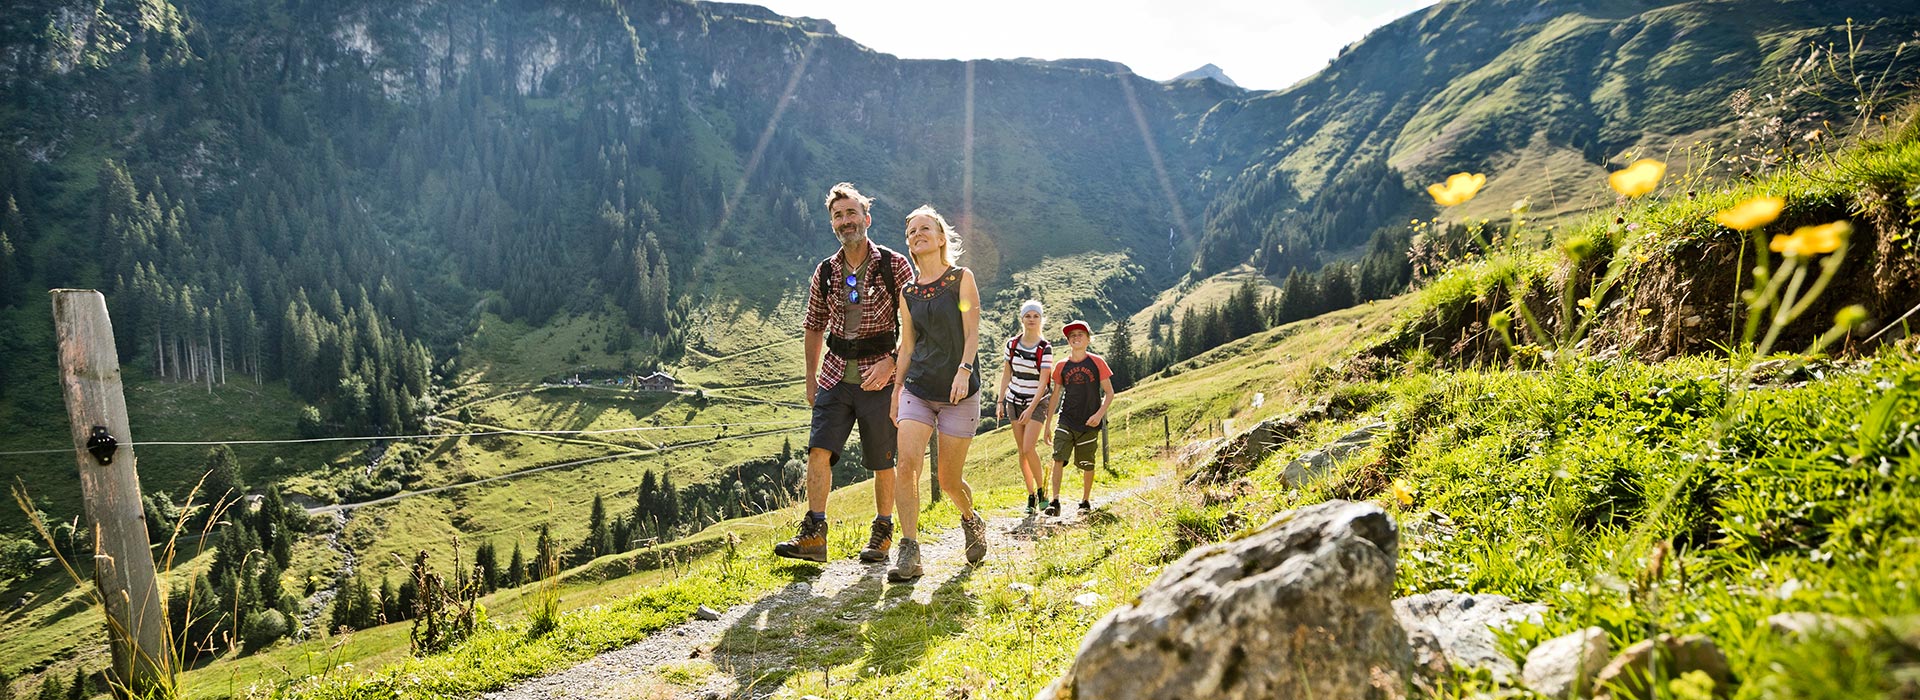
1079,387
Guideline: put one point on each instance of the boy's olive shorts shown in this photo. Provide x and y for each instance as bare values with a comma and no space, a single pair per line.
1079,446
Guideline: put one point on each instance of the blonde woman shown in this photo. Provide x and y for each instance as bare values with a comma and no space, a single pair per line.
937,389
1025,374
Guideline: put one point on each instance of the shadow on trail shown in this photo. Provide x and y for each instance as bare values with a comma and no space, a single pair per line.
787,634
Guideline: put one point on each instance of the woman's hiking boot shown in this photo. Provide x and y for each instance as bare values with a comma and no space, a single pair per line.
1085,506
975,529
810,544
878,542
906,564
1053,508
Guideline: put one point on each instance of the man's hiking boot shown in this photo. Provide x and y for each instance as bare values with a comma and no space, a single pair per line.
906,564
1085,506
879,542
810,544
975,529
1053,508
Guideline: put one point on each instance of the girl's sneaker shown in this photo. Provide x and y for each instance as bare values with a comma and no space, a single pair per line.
1031,504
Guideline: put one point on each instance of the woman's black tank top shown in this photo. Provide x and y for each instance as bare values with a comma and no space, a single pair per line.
939,333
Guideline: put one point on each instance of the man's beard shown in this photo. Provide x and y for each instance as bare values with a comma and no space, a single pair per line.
850,236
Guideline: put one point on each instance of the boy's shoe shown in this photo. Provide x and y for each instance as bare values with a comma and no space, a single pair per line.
878,542
975,529
1084,507
906,564
1053,508
810,544
1032,504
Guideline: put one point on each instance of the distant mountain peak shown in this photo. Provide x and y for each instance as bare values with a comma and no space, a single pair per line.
1207,71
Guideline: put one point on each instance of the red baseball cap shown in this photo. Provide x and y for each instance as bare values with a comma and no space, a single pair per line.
1081,325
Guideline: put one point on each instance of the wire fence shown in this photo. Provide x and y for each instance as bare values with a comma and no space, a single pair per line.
423,436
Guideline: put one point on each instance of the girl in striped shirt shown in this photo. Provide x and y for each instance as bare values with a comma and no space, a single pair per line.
1025,374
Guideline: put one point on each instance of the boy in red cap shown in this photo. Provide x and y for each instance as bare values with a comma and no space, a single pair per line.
1084,386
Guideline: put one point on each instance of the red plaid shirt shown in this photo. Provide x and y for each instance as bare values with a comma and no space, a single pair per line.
878,313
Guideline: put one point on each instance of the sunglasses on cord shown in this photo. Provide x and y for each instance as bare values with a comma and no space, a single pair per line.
853,289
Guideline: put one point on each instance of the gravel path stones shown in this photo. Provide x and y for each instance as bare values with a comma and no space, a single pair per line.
690,662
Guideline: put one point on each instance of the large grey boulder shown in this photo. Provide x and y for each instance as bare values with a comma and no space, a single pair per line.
1449,629
1301,608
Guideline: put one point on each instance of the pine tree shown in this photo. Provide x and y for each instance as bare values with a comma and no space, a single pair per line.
547,556
271,522
52,688
222,471
268,585
1120,357
517,568
1187,342
1336,288
363,612
77,688
599,537
670,516
486,560
390,601
622,534
646,507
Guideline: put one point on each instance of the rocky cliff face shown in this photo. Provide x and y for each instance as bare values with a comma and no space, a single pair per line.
1097,159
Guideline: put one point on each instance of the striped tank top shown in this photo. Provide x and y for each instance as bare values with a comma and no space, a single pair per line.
1027,363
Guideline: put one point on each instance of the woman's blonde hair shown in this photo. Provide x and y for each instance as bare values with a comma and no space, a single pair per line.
951,251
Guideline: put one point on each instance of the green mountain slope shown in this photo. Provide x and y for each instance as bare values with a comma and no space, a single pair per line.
364,215
1544,92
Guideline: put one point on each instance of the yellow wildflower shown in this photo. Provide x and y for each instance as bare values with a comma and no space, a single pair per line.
1751,214
1808,241
1402,493
1459,188
1586,303
1639,178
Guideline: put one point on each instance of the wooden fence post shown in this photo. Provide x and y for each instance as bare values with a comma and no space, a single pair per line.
123,571
1103,443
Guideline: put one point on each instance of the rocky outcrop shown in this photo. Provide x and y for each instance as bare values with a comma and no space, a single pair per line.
1317,462
1448,629
1630,675
1564,666
1240,453
1300,608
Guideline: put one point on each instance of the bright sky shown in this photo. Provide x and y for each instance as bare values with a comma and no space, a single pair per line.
1261,44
